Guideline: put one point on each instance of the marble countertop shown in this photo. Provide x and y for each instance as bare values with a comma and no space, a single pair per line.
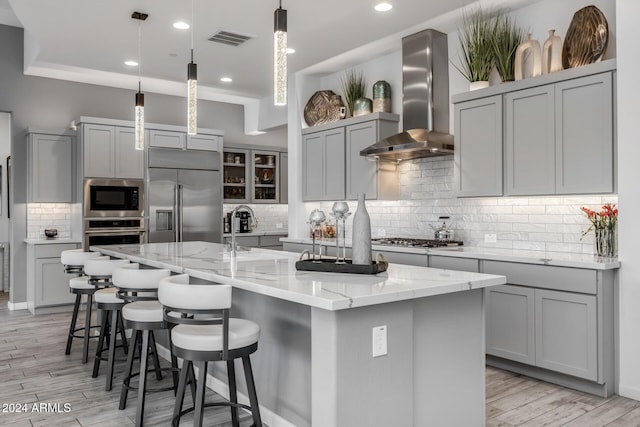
560,259
53,241
273,273
260,233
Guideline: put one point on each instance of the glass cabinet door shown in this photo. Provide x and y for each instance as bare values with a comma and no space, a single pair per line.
236,176
266,175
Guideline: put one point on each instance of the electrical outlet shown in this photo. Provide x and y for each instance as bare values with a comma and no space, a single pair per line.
379,341
491,238
279,226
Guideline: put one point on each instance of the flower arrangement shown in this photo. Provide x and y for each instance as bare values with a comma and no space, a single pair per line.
604,224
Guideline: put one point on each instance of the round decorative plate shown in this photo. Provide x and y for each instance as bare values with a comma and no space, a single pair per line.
586,39
324,106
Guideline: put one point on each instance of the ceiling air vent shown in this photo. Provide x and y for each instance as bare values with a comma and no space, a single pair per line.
230,38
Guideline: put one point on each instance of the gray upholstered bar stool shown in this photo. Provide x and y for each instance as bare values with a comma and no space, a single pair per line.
73,261
99,271
143,314
204,333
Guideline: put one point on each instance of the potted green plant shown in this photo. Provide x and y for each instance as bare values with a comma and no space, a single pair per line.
476,59
506,39
354,87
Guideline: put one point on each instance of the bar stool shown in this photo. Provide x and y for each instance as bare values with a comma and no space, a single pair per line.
99,272
143,314
210,336
73,261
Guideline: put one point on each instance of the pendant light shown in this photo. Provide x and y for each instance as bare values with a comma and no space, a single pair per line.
192,89
280,56
139,109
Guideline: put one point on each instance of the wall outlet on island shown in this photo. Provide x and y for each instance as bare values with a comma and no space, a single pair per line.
379,341
491,238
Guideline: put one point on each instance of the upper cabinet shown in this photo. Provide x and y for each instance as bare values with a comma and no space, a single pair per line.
51,167
109,152
556,133
333,168
178,139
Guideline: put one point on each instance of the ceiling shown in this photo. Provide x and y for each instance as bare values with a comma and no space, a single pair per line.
93,38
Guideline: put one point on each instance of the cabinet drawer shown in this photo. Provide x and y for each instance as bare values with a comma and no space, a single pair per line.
451,263
270,241
544,276
53,250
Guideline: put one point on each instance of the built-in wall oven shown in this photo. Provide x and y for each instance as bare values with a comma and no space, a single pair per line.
113,198
115,231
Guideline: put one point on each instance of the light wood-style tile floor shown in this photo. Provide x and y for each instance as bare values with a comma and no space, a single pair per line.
33,368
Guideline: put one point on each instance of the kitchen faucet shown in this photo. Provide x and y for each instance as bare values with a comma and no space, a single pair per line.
254,223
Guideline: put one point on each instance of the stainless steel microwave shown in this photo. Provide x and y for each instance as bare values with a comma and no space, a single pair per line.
105,198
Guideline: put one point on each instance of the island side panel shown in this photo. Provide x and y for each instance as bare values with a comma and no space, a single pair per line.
349,386
449,359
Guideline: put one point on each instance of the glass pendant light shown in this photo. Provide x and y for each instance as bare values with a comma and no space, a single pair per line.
139,109
280,56
192,89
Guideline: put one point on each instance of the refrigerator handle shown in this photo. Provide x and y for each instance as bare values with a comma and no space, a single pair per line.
180,207
176,215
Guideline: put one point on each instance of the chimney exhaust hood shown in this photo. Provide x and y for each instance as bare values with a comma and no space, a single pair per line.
425,102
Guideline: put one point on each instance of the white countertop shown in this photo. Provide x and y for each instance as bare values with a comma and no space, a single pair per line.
560,259
54,241
260,233
273,273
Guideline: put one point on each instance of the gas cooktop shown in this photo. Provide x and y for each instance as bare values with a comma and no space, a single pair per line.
415,243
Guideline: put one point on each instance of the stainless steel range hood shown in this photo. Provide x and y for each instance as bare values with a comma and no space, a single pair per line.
425,102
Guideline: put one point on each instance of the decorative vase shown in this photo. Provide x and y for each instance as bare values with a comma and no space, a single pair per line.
552,54
361,235
381,97
362,106
606,242
528,50
480,84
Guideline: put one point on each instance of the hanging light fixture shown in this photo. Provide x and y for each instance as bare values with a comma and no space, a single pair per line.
192,89
280,56
139,110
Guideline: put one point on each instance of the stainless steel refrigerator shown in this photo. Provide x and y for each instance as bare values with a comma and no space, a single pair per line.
184,196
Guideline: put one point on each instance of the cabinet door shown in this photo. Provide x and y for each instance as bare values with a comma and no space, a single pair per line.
334,165
530,142
99,151
510,323
313,166
478,147
129,161
204,142
362,174
52,283
166,139
236,181
265,176
584,135
284,178
566,333
51,171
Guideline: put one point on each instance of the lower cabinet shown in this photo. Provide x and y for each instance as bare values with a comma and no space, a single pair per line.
266,242
47,283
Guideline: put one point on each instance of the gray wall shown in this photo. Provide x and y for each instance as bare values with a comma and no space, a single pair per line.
49,103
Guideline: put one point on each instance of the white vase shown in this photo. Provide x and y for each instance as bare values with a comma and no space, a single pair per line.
361,235
552,54
480,84
528,50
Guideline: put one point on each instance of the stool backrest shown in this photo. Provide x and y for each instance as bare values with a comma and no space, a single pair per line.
135,284
74,259
103,266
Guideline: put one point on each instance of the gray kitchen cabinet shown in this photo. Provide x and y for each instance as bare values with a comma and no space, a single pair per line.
109,152
323,159
451,263
510,323
50,168
566,333
47,283
584,135
204,142
167,139
271,241
478,147
284,178
530,148
265,176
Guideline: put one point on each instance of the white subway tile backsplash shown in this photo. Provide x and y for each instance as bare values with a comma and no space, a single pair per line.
551,223
269,216
48,215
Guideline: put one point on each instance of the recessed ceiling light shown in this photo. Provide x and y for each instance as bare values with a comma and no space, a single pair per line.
290,50
383,7
131,63
181,25
226,79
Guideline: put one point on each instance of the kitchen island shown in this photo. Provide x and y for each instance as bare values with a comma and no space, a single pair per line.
315,363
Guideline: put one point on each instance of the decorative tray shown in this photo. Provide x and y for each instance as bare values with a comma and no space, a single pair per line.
329,265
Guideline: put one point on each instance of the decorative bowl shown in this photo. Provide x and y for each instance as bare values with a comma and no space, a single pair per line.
50,232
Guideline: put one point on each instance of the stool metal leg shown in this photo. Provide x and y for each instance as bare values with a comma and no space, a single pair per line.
112,348
72,328
142,382
201,386
103,332
87,329
132,349
123,334
154,356
233,394
251,390
182,386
